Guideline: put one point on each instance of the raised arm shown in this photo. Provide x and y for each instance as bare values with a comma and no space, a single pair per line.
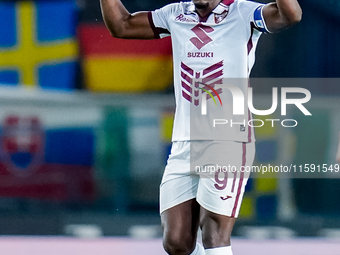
282,14
123,24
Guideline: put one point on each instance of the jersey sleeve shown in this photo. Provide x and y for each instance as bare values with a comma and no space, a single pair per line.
159,20
252,13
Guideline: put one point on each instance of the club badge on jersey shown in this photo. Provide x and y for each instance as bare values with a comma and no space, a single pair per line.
220,17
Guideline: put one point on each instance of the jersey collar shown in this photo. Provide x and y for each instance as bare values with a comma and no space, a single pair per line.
219,9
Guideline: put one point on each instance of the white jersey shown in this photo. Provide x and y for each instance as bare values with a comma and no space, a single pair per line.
208,52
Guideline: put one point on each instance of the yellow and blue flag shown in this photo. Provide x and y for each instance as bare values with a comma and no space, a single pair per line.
37,43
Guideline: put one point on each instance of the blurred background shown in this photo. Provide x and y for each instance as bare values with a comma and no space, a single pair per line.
86,120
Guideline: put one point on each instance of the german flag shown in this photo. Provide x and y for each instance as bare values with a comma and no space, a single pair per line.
117,65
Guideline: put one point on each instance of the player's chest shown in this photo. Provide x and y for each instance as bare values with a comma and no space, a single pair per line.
205,40
215,34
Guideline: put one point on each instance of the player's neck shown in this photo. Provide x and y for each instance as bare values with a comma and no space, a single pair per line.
205,11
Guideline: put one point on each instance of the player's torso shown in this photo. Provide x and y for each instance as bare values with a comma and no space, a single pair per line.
222,39
212,52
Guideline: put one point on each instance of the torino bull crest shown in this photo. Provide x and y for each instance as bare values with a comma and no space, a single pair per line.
22,144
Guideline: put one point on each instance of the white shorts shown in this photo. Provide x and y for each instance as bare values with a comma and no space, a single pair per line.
210,171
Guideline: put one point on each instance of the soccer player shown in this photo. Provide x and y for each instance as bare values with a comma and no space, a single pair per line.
212,40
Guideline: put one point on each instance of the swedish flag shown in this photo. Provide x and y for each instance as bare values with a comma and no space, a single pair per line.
37,43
